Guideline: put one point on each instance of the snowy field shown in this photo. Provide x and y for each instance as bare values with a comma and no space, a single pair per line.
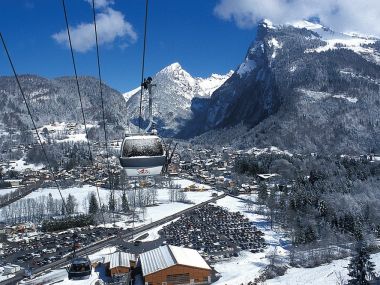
74,132
6,191
20,165
167,208
247,262
150,214
237,270
327,274
250,264
153,233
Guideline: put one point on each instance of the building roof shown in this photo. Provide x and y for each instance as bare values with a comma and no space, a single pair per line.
267,175
119,259
169,255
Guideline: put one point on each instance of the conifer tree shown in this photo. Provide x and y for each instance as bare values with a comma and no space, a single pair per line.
361,268
124,203
70,204
93,204
263,193
112,202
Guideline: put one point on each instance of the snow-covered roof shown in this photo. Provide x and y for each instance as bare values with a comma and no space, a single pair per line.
119,259
169,255
267,175
141,137
189,257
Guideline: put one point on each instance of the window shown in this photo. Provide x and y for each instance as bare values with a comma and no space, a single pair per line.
178,278
142,146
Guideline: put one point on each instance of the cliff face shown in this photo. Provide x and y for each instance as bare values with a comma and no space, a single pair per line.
300,87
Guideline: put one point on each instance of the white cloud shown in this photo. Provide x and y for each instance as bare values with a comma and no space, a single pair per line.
110,25
101,3
343,15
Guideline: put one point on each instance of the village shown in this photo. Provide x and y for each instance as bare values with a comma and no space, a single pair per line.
208,172
200,182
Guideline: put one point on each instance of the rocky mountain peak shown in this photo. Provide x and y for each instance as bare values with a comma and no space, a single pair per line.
175,89
297,78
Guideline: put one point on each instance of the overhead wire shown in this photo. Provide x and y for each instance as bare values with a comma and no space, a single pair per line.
81,101
102,104
143,62
34,124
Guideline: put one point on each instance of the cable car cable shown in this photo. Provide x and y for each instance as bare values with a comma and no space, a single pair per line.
143,61
103,113
34,124
81,101
101,94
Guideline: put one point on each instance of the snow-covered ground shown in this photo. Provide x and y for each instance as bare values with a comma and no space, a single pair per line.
6,191
153,233
248,264
64,132
348,98
21,165
75,138
129,94
163,209
167,208
359,44
242,269
80,194
60,276
328,274
186,183
271,149
100,254
4,277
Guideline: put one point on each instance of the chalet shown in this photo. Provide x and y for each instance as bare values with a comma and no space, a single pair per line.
171,265
193,188
14,182
184,164
119,263
11,268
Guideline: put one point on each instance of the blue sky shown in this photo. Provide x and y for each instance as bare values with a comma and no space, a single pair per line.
188,32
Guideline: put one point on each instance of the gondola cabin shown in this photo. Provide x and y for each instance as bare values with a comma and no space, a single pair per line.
142,155
80,268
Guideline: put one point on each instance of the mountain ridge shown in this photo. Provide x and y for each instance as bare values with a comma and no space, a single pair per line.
293,81
57,100
175,89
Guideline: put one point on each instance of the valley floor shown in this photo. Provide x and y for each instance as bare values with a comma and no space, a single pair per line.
237,270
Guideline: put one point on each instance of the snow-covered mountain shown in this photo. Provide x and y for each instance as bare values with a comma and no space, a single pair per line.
56,100
360,44
129,94
175,89
301,86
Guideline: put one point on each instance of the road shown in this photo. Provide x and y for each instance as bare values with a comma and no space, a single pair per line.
113,240
26,191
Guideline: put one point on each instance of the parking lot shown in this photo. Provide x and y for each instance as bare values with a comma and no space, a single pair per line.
47,248
215,232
